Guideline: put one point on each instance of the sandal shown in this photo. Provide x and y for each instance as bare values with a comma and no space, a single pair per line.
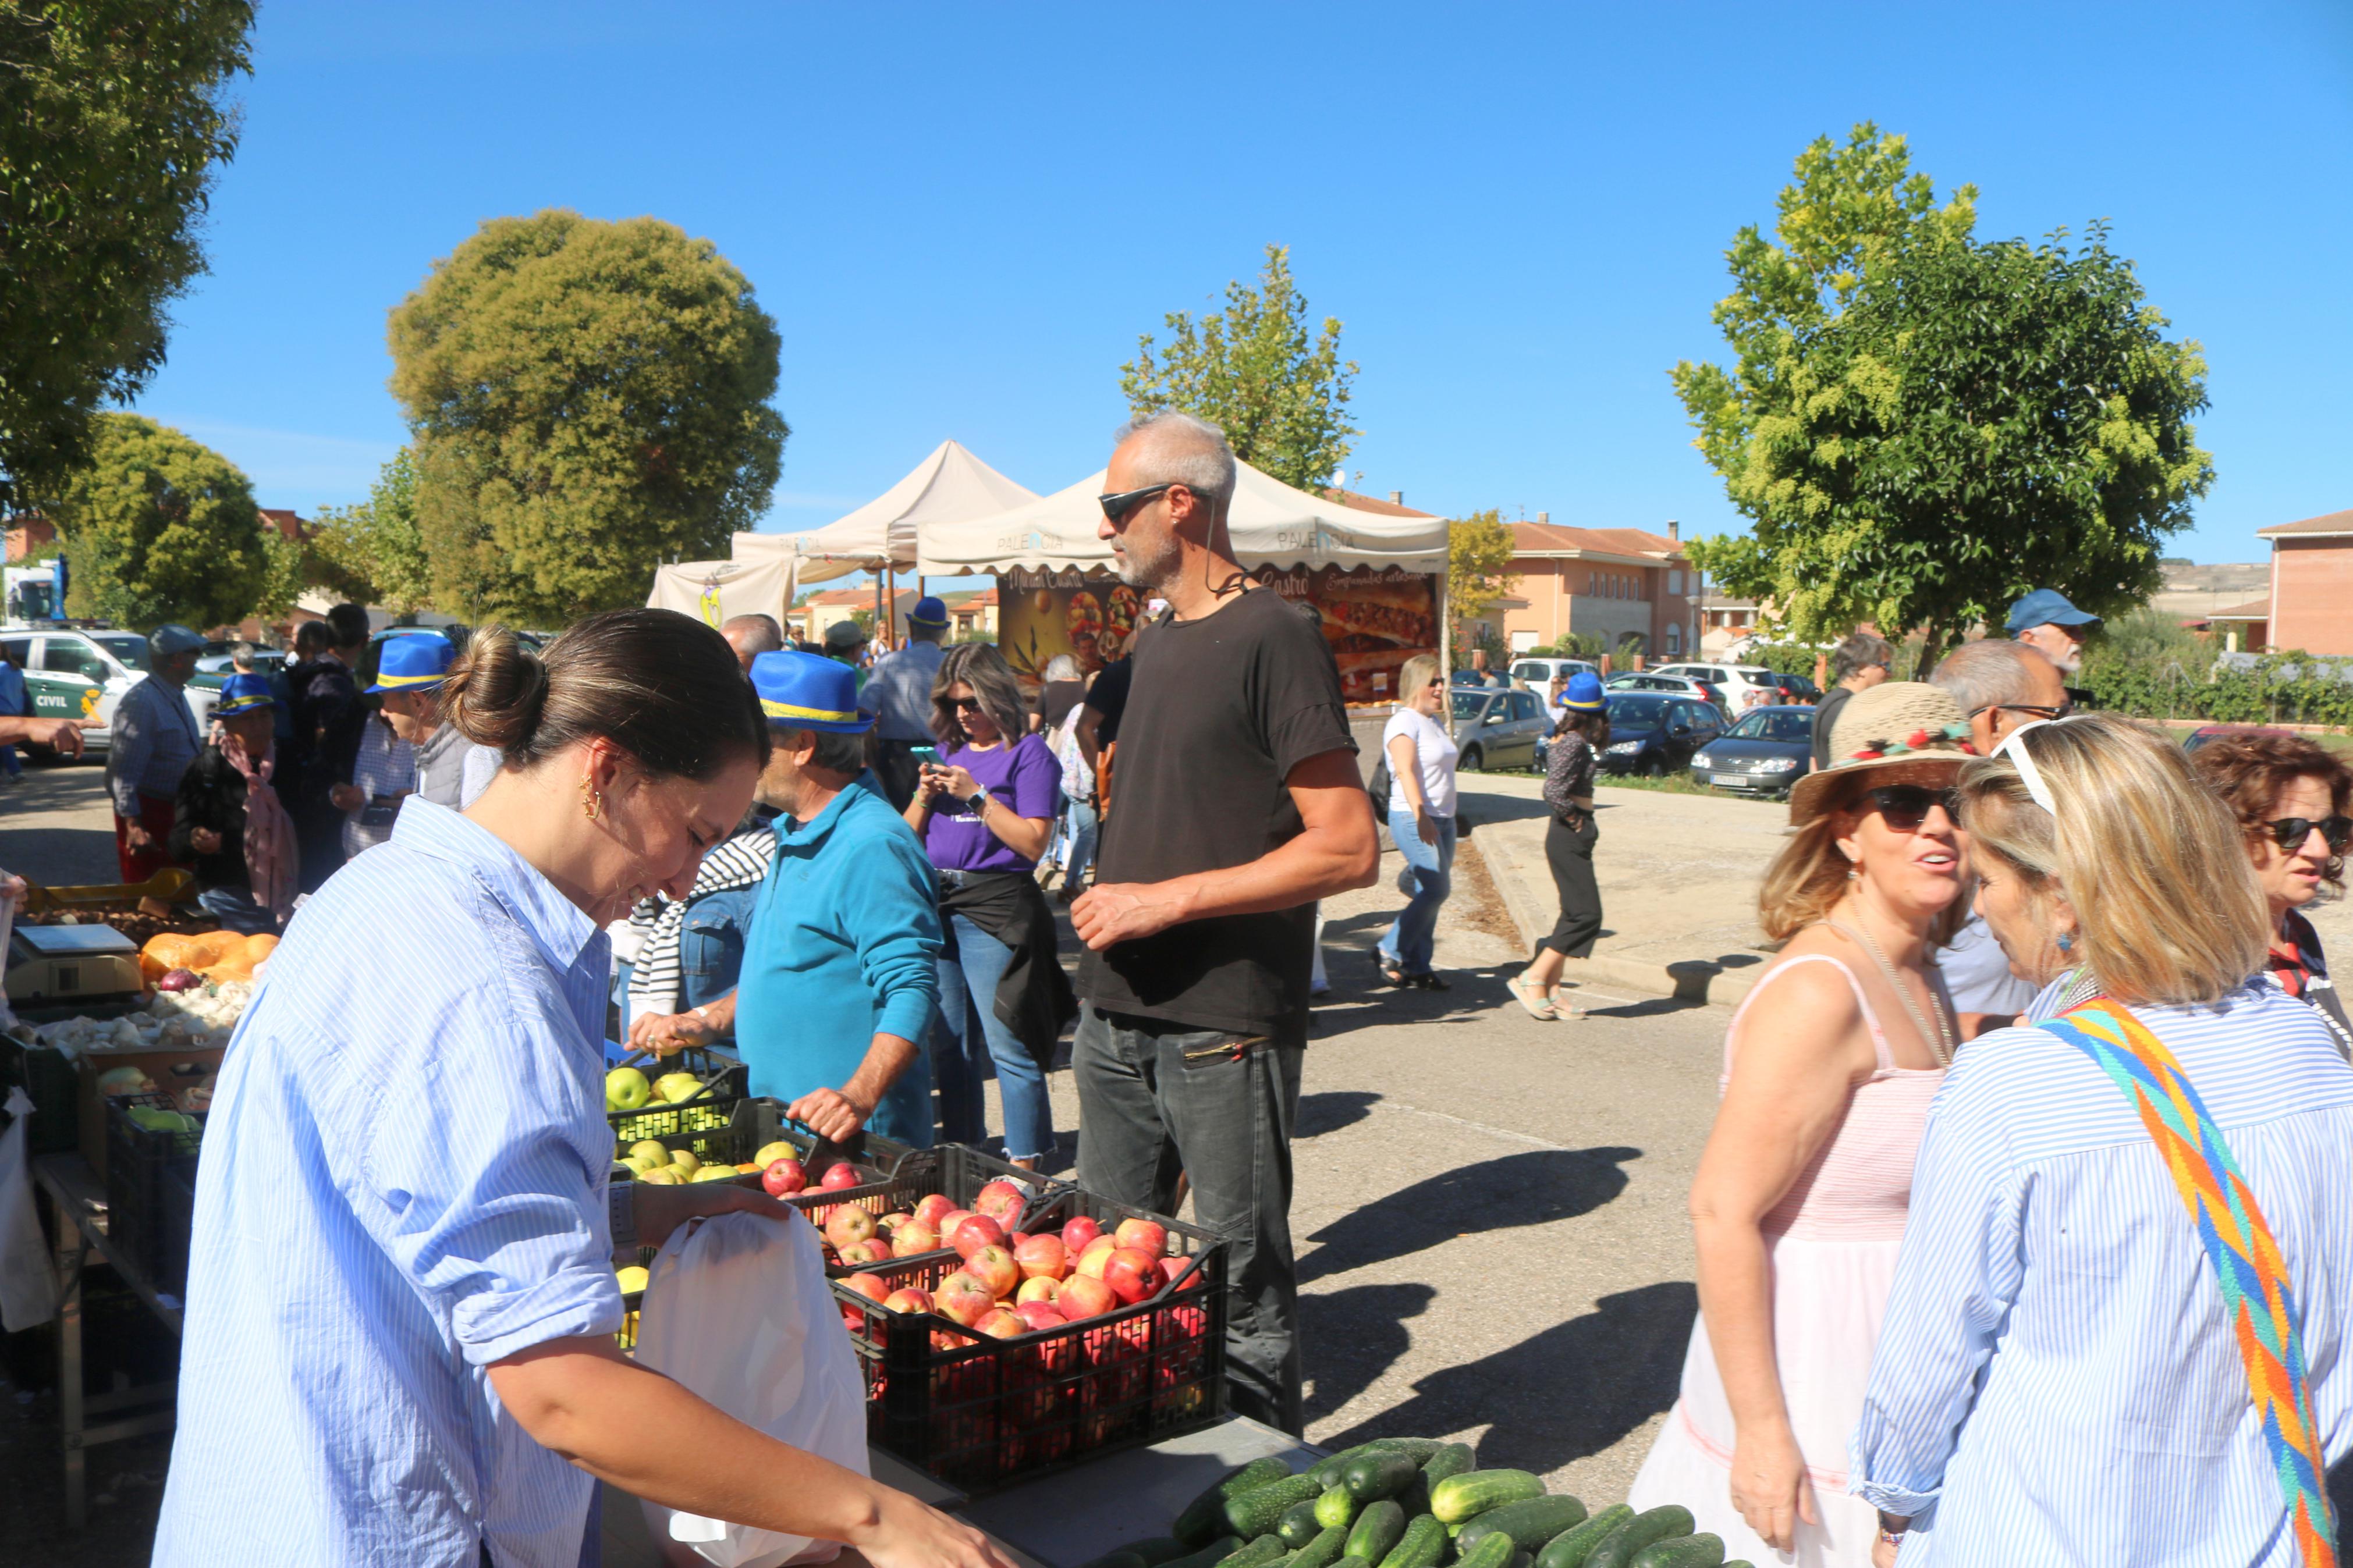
1426,983
1392,970
1537,1001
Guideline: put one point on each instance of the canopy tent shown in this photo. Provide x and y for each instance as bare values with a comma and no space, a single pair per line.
713,591
1272,525
951,486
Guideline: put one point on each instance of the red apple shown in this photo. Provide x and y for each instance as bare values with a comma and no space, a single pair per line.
1003,1323
1000,1201
783,1178
1040,1288
1042,1254
890,1222
1145,1236
873,1287
1084,1296
964,1299
913,1238
1079,1232
853,1320
848,1225
857,1254
1132,1276
908,1299
947,1224
841,1175
934,1208
973,1234
1098,1254
994,1266
1039,1315
1171,1267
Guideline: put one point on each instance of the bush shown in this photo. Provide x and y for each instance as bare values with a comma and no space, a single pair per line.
1784,657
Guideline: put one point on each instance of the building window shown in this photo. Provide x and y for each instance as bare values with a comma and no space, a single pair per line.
1675,639
1675,582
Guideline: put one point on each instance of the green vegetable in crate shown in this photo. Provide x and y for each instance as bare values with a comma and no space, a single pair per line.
1571,1547
1459,1497
1210,1555
1423,1544
1683,1552
1322,1552
1335,1506
1495,1552
1204,1518
626,1088
1382,1474
1257,1512
1453,1459
154,1118
1262,1552
1530,1524
1643,1530
1378,1529
1298,1526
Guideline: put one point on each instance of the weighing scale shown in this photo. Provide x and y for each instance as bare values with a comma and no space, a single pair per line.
54,965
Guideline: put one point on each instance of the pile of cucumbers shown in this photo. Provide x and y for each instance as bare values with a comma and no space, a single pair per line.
1409,1502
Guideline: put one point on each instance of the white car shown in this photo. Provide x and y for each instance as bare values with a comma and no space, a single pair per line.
1742,685
114,661
1536,674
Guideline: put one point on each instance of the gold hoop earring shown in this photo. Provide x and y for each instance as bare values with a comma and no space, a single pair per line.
592,805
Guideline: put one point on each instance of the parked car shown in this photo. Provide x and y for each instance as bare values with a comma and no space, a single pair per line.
1497,729
216,664
1678,685
1537,674
1654,733
1798,688
1740,686
2207,734
1770,750
83,674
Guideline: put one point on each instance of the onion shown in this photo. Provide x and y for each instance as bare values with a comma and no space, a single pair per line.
179,980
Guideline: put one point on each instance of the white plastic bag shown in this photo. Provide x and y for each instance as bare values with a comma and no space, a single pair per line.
28,1291
736,1310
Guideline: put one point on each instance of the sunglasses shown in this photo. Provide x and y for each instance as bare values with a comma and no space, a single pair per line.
2290,832
967,704
2064,710
1117,507
1904,807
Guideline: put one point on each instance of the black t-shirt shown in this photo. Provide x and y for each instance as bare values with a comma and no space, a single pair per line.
1055,701
1108,697
1227,706
1825,721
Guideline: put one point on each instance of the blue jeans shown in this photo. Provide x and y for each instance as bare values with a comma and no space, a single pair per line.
1429,869
710,944
235,907
971,1039
1084,825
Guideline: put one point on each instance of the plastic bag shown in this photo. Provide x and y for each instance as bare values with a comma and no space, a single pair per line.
28,1291
737,1312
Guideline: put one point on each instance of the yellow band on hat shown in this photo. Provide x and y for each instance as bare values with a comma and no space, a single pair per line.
794,711
410,680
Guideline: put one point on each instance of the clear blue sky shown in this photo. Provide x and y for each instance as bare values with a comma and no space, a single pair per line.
962,217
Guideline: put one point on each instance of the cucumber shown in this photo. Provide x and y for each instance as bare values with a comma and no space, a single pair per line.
1297,1526
1328,1470
1334,1507
1259,1553
1530,1524
1378,1530
1570,1548
1209,1556
1459,1497
1495,1552
1683,1552
1376,1475
1204,1518
1423,1545
1322,1552
1256,1512
1454,1459
1659,1524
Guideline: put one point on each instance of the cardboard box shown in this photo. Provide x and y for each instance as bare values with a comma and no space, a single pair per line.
185,1074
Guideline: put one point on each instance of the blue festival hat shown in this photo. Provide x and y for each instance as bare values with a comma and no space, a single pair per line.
809,692
1583,692
928,612
2043,608
418,661
244,694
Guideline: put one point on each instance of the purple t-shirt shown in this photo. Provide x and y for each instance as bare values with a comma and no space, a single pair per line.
1024,775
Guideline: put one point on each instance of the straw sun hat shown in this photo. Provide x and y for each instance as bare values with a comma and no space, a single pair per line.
1899,731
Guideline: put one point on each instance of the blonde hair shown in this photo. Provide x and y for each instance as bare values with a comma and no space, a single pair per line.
1416,673
1808,877
2167,905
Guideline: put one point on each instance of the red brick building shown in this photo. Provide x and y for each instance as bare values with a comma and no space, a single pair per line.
1615,583
2311,604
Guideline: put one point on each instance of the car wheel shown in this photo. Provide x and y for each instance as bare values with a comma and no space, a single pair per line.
1473,761
1656,768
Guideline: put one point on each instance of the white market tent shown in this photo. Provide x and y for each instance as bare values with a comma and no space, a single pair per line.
1271,524
949,486
714,591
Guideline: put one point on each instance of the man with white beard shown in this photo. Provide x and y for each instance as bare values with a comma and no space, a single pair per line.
2046,622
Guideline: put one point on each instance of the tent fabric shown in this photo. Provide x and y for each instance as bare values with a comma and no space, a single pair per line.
1271,524
951,486
712,591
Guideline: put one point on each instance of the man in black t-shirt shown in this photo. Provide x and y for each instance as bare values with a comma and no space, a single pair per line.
1236,806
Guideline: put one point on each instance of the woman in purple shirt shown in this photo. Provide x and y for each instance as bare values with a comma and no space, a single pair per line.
984,807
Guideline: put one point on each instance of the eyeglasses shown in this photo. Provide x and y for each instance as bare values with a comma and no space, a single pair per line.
2064,710
1117,507
1904,807
2290,832
968,704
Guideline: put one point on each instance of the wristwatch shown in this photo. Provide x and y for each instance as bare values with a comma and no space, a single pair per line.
977,803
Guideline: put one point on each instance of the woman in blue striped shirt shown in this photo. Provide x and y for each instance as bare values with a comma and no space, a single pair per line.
2058,1379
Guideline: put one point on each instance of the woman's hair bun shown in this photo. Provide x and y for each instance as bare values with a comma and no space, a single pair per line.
496,694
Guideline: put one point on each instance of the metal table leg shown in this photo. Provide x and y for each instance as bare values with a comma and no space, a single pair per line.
72,1252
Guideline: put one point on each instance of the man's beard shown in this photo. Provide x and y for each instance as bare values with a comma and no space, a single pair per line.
1153,572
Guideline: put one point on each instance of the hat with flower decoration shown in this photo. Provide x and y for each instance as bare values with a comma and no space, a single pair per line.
1899,731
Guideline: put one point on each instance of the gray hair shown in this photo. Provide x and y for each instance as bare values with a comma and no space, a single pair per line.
838,751
1180,449
1860,652
1061,666
1988,671
240,655
760,633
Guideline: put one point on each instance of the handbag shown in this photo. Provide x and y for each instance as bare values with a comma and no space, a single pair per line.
2256,1293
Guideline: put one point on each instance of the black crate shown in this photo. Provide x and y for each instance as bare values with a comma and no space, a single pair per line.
981,1412
725,1081
47,1076
143,1226
741,1129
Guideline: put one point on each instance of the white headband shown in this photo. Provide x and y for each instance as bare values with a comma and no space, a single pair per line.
2028,774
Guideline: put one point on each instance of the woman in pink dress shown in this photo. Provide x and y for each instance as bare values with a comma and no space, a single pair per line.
1798,1209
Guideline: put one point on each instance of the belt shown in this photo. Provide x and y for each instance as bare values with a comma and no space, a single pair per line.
954,878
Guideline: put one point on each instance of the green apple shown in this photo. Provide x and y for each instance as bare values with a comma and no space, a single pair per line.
678,1085
652,1151
715,1173
625,1090
770,1153
684,1163
631,1279
664,1176
639,1164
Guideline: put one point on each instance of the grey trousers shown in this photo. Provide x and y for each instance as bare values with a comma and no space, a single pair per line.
1155,1099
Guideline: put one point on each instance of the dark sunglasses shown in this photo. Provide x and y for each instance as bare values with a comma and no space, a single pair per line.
1904,807
1117,507
968,704
2290,832
2064,709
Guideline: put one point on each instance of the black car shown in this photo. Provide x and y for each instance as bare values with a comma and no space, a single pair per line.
1797,688
1770,750
1653,733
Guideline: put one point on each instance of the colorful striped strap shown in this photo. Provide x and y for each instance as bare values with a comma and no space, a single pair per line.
2256,1293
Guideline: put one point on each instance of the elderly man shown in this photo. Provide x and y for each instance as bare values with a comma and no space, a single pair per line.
1858,663
2001,686
1235,808
845,643
752,635
840,965
2046,622
154,739
899,689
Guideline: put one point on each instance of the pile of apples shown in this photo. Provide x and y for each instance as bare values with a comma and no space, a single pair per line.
627,1088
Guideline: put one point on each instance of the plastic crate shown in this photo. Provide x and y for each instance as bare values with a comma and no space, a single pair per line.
908,1176
980,1413
725,1081
139,1219
743,1127
46,1075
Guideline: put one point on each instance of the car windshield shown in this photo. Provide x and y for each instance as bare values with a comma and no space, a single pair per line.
128,648
1467,704
1636,714
1796,728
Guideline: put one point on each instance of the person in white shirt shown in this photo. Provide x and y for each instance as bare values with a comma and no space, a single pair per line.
1421,751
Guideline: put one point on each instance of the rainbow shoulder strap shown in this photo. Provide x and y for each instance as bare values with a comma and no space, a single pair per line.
2256,1293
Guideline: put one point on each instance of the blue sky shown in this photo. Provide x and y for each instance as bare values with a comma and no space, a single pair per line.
962,216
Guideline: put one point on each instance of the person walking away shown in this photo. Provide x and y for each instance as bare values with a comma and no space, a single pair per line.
2291,797
2088,1354
153,739
983,811
229,825
312,642
1421,753
1857,664
1569,837
840,976
1798,1208
332,717
752,635
1194,985
899,689
398,1345
1083,822
16,702
2000,687
2046,622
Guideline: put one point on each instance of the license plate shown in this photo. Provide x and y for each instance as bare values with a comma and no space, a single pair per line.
1727,781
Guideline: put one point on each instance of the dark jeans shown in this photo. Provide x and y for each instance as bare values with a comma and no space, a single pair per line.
318,838
1156,1098
1570,852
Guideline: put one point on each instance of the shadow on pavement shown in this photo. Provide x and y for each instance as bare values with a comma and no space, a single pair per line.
1534,1188
1569,1392
1331,1110
1351,1337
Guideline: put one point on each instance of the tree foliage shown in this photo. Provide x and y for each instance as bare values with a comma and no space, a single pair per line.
374,554
159,527
1279,393
114,121
1478,567
587,399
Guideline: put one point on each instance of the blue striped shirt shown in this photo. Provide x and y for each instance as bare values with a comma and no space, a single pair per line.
2055,1380
402,1182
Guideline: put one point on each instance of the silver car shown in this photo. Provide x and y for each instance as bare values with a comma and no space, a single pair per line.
1497,729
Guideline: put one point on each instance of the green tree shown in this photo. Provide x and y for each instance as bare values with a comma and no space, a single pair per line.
1478,568
588,399
114,121
288,572
375,553
1279,393
159,527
